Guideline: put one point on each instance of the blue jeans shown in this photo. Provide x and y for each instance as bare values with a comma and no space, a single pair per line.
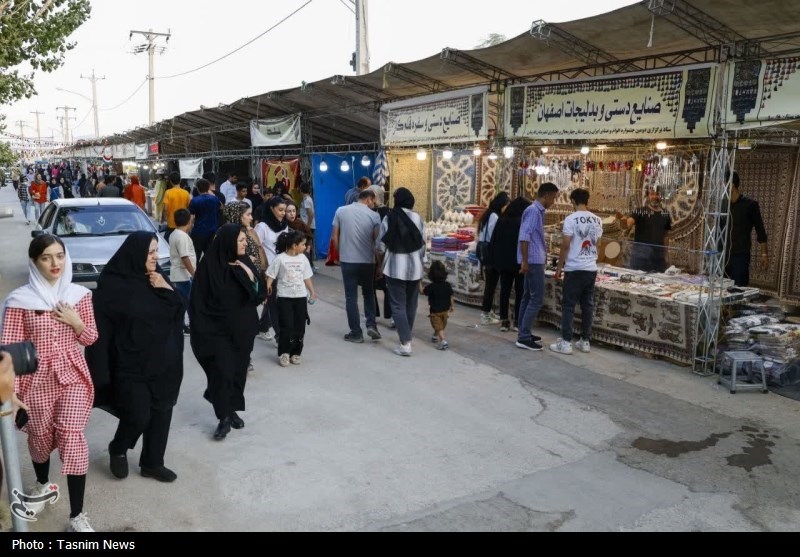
578,287
532,300
355,275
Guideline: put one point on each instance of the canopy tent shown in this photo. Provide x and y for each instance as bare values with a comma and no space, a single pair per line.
345,109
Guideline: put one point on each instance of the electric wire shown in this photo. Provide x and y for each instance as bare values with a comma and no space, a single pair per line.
248,43
126,100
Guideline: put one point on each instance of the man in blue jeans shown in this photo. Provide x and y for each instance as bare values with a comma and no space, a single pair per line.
355,230
581,235
532,256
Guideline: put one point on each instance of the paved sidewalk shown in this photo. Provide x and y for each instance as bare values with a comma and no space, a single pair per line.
484,437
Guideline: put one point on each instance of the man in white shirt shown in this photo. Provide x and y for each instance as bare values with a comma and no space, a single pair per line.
355,230
183,258
578,261
228,189
241,195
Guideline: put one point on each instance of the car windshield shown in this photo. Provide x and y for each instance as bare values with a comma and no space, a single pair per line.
101,220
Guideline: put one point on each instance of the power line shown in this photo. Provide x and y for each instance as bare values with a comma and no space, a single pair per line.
241,47
126,100
346,5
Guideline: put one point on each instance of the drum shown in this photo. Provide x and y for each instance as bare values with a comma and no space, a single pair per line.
612,251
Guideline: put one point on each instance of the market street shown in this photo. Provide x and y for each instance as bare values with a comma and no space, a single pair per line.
485,437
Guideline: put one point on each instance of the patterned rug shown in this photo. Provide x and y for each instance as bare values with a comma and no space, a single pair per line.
646,324
767,176
790,276
453,182
495,176
408,172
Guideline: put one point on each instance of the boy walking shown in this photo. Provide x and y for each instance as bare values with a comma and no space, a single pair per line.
578,260
183,258
441,302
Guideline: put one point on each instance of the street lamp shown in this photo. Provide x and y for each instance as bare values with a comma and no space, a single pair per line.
74,93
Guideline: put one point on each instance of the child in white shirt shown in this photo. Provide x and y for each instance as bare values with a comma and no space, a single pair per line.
292,273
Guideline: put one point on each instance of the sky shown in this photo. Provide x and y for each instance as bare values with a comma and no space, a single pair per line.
314,44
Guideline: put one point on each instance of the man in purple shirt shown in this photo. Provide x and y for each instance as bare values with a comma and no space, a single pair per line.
532,256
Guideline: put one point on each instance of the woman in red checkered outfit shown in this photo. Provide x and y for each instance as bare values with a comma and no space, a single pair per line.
57,316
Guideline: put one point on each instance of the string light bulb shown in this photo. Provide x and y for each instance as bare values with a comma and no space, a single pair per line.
477,152
345,166
323,166
508,152
447,154
585,151
365,162
661,145
422,154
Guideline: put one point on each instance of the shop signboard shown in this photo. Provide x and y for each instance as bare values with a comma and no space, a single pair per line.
445,118
762,92
153,149
141,152
274,132
642,105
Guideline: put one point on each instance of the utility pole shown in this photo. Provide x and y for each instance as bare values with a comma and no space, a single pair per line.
94,81
38,130
151,48
66,120
362,36
360,61
21,125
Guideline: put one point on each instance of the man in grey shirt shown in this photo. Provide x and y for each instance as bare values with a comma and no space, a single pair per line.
355,230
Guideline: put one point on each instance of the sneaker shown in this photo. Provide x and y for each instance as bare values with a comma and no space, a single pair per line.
561,346
435,339
531,345
392,324
284,360
494,316
80,524
443,346
269,336
403,350
296,360
583,346
374,334
515,328
505,326
489,319
38,490
355,339
186,331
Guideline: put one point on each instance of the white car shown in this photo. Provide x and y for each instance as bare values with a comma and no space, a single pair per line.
93,230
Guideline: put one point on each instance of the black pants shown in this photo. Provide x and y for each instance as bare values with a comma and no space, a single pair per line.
143,413
491,278
507,280
738,269
578,288
270,316
225,365
293,314
201,244
387,303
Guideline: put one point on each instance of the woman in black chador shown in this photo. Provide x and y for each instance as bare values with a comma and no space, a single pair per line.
226,291
137,363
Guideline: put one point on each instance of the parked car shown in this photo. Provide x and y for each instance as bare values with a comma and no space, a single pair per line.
94,229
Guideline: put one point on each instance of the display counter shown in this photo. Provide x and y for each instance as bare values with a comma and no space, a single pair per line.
651,314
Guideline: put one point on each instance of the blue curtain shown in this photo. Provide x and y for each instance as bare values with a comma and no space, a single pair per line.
330,188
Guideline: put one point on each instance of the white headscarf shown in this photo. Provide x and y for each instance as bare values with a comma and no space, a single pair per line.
40,295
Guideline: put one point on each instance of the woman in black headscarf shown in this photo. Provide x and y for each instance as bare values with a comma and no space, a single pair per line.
227,290
504,258
402,245
137,363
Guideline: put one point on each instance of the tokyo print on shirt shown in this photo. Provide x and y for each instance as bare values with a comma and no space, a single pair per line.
585,229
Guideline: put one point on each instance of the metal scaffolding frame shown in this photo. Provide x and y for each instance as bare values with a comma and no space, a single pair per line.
478,67
415,78
715,240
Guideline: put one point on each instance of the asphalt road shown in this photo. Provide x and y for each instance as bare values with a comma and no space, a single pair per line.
484,437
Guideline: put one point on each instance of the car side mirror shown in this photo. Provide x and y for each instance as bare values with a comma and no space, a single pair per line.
36,233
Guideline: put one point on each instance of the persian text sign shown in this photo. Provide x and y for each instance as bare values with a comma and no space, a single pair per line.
668,104
763,92
454,117
276,131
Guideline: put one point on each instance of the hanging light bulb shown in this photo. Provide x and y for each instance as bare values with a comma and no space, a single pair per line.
447,154
661,145
323,166
477,152
545,150
585,151
493,156
508,152
665,162
365,162
422,154
345,166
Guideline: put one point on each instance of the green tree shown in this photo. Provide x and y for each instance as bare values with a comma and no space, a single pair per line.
7,156
34,33
491,40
